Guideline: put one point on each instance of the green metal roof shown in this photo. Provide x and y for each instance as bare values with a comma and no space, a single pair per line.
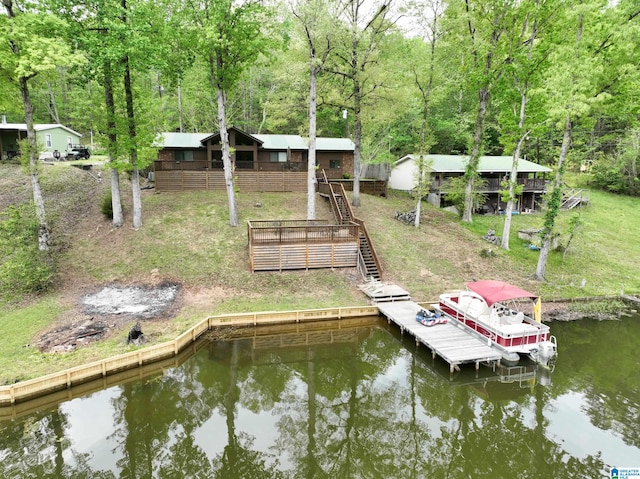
488,164
268,142
282,142
335,144
181,140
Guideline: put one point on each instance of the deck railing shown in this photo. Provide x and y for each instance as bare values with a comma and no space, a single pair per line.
493,185
300,231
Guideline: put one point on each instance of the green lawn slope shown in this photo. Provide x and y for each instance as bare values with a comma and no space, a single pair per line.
186,239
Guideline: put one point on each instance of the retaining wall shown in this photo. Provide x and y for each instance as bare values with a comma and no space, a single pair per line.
67,378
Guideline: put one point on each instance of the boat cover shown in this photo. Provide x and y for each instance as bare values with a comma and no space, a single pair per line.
493,291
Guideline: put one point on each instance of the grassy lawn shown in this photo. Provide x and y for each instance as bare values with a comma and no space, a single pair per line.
186,239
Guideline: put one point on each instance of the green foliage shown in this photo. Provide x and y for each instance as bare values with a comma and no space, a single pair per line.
609,306
618,172
24,268
504,191
456,193
106,206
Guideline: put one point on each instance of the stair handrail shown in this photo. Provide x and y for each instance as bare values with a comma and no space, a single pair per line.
337,189
334,204
571,197
365,232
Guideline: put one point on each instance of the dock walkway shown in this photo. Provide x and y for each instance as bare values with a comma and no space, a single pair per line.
452,342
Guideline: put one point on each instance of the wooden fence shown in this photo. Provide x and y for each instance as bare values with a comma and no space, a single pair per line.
269,181
62,380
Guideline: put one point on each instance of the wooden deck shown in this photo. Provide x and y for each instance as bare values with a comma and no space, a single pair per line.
278,245
449,341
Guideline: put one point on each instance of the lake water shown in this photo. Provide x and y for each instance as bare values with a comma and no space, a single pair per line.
346,400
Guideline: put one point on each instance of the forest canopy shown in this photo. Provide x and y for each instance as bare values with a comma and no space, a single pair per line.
420,67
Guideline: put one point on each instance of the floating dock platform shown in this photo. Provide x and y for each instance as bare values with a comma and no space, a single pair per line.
452,342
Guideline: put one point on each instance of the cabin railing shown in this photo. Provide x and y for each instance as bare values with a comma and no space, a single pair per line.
493,185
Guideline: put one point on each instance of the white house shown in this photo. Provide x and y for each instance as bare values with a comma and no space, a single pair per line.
492,170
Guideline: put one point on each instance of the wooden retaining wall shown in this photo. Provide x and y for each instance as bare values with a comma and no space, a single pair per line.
61,380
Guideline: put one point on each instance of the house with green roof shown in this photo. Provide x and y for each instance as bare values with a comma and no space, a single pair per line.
492,170
193,161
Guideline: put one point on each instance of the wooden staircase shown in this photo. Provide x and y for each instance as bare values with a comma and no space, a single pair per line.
574,197
368,263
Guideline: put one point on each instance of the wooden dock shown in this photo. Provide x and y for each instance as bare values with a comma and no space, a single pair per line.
452,342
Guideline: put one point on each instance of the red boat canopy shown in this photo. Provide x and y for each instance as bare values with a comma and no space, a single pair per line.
494,291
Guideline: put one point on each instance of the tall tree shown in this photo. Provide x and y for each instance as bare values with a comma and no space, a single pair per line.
366,26
430,14
314,18
480,26
573,87
31,46
119,38
525,69
231,36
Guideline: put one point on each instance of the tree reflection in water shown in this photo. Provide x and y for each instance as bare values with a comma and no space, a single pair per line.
345,403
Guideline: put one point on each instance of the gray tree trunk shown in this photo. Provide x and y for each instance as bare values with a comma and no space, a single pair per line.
38,201
311,167
474,159
137,197
554,206
116,200
357,135
513,183
226,159
135,180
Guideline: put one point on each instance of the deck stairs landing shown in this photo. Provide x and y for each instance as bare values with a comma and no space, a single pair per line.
574,197
379,292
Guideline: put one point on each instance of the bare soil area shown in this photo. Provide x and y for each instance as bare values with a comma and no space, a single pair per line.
102,312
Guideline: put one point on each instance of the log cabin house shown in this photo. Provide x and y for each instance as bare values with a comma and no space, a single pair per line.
278,163
492,170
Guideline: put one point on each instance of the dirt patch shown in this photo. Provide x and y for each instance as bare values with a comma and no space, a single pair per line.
142,302
101,312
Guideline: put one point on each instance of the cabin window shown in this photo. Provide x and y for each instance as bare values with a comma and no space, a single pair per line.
335,164
183,155
47,140
70,142
278,156
242,140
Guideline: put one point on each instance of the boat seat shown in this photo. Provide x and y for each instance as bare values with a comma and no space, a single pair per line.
474,306
518,329
513,319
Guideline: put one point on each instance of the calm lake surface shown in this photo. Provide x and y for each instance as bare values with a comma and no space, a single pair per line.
346,401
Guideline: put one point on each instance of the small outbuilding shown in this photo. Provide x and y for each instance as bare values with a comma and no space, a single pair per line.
492,169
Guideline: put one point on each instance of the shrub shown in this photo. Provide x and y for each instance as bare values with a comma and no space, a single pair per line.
24,268
106,206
